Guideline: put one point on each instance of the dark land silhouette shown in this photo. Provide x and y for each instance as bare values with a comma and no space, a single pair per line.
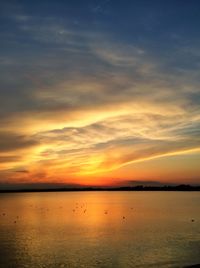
181,187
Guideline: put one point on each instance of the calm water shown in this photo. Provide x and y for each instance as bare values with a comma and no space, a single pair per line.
99,229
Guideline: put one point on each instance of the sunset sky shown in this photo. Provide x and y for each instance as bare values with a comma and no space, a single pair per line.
99,92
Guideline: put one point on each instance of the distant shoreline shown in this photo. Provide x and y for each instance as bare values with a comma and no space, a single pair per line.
187,188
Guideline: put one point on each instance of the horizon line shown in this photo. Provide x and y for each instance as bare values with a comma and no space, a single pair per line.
180,187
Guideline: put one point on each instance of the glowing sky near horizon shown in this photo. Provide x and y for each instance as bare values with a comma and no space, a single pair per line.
99,92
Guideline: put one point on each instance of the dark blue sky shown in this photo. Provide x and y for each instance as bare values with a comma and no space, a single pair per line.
159,27
133,19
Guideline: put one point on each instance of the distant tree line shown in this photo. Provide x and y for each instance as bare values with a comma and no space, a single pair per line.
181,187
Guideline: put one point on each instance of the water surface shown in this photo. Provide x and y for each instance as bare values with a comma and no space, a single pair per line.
99,229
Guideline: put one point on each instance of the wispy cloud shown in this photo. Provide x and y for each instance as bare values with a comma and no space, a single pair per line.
79,102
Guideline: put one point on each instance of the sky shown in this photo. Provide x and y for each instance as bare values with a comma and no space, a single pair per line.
99,92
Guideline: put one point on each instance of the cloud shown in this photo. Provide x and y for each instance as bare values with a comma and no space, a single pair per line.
9,158
12,141
76,102
140,182
22,171
101,7
108,145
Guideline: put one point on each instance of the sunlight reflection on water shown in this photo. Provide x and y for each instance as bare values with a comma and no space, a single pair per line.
99,229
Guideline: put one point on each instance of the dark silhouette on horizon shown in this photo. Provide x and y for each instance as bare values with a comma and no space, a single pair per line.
181,187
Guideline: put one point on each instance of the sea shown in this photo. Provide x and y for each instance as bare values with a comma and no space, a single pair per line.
99,229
